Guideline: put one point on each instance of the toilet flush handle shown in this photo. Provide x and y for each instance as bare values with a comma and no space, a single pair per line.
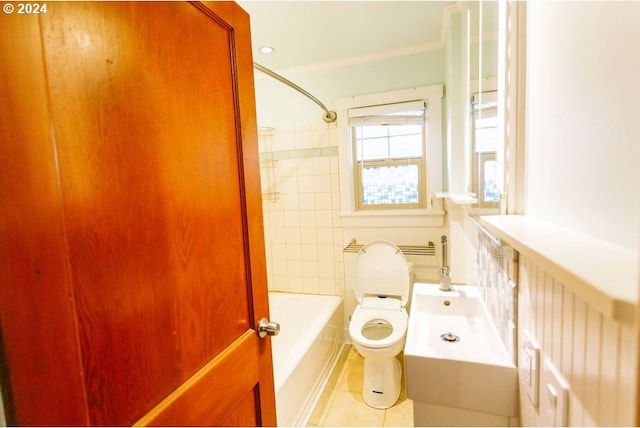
266,327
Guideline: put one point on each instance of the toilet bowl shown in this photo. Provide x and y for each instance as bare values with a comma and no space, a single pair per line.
378,326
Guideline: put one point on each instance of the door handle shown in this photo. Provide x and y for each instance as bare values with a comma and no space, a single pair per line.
266,327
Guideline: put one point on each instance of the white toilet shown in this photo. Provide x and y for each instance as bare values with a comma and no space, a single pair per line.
378,326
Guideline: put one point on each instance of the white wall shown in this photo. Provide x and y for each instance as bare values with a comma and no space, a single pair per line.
582,144
582,173
457,103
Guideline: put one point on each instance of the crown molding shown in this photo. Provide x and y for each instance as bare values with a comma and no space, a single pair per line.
362,59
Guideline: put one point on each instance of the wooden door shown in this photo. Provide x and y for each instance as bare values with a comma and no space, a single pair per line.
131,243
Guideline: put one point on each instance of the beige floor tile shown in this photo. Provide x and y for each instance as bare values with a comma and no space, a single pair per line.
348,409
400,415
341,403
321,408
352,375
325,398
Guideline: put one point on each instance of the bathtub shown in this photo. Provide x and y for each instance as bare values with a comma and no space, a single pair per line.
305,352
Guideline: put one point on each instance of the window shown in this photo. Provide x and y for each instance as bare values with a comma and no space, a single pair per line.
397,153
389,164
484,163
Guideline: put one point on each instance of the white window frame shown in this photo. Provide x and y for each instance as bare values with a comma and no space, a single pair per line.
376,115
478,160
432,95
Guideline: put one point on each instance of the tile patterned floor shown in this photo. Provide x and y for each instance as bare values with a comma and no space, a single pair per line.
341,403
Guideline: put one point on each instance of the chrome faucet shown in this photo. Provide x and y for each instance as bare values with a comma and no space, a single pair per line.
445,279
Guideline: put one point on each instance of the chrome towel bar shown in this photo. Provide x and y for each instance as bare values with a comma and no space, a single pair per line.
414,250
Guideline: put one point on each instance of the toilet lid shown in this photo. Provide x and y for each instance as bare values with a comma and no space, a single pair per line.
381,270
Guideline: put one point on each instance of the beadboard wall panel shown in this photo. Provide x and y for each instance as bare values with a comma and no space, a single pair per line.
596,355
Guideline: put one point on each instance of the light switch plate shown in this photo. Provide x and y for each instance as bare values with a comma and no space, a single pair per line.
529,367
554,397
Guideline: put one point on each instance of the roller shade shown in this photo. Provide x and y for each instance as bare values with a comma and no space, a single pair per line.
484,99
407,113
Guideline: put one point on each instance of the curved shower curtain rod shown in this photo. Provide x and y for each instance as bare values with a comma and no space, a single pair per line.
329,116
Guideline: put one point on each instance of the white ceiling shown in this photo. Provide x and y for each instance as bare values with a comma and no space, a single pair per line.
317,33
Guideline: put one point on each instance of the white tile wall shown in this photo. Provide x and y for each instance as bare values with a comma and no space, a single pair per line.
301,196
597,356
498,277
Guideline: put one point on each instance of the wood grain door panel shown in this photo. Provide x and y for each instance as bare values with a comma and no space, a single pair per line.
37,319
154,178
156,243
229,377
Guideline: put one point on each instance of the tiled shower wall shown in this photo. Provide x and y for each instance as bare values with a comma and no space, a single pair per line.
301,206
596,355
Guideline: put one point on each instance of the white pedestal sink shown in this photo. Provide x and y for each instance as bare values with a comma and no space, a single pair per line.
457,370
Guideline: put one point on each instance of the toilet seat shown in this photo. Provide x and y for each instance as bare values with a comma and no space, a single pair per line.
396,318
381,270
381,286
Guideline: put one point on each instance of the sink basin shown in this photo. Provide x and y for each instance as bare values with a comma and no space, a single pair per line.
453,354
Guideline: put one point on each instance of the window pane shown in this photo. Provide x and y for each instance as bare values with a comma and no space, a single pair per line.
396,184
371,149
486,130
371,131
487,121
405,129
486,140
385,142
405,146
490,173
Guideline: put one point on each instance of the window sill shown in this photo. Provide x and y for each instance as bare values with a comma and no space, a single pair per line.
458,198
392,218
603,274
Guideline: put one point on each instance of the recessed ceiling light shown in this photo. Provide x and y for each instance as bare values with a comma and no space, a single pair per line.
267,49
